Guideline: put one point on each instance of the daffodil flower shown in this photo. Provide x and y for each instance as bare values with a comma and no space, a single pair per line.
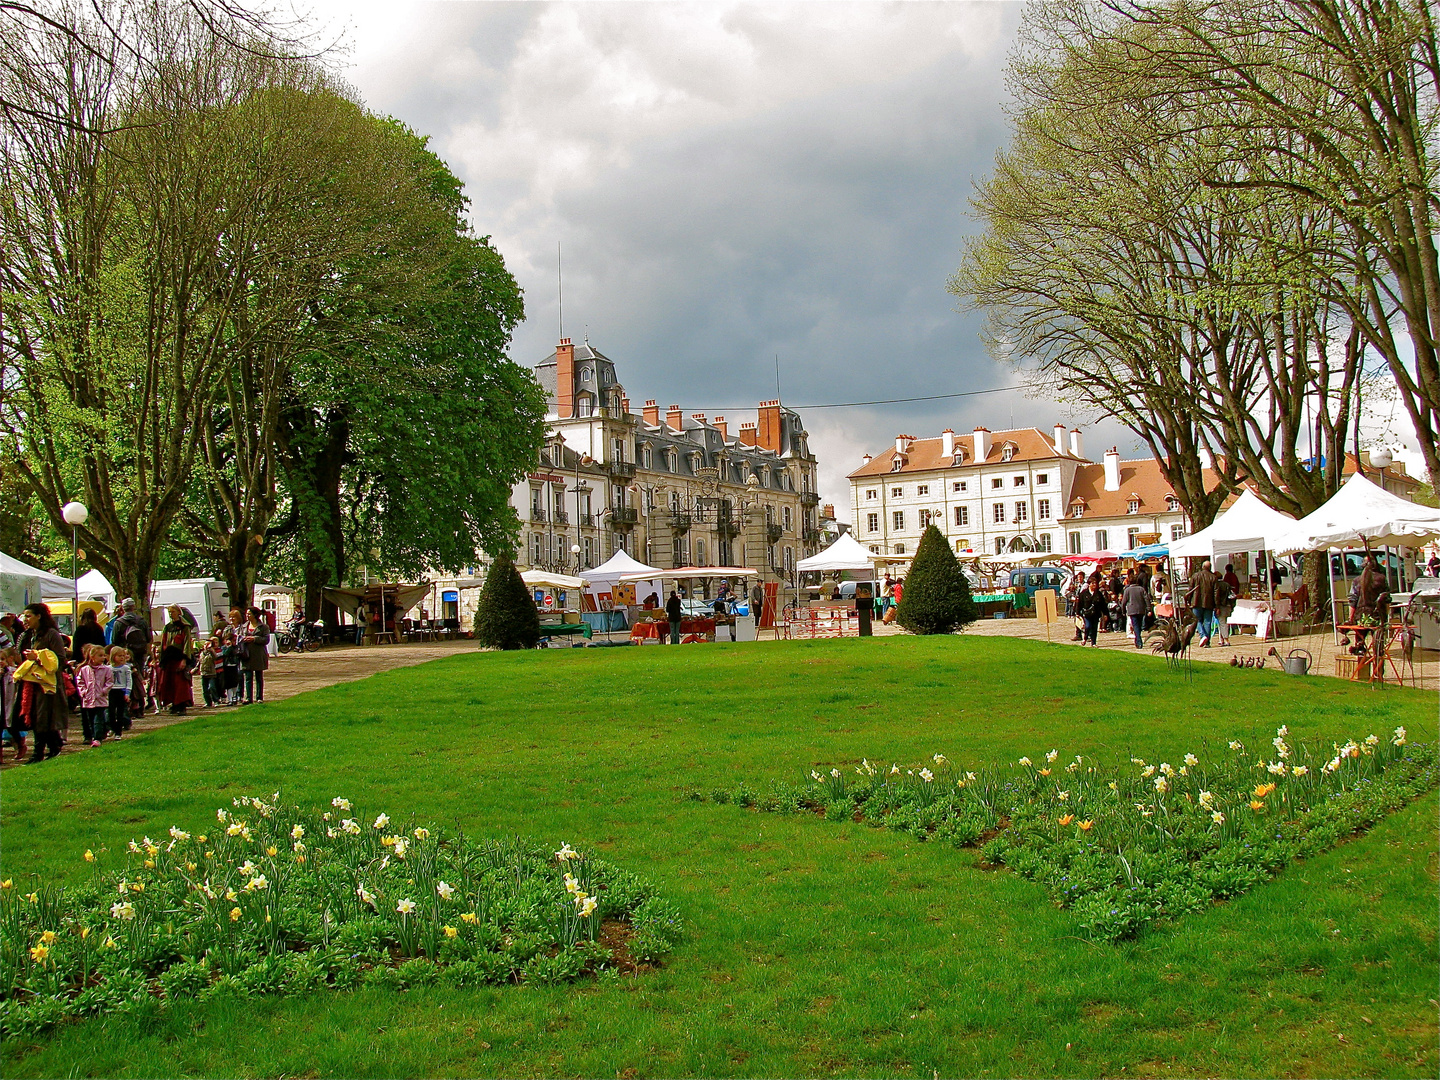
927,775
382,821
1025,761
450,931
445,891
588,906
234,914
39,953
341,804
351,826
124,911
422,833
405,907
1218,818
470,917
365,895
1191,759
1051,756
566,853
89,855
1300,770
1236,744
48,937
297,833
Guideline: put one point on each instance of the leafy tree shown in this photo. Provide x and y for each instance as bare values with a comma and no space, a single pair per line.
936,596
505,617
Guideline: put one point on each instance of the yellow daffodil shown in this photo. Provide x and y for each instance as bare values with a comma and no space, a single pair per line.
201,838
588,906
450,931
89,855
470,917
48,937
234,914
109,943
33,898
39,953
149,864
231,894
272,851
190,867
84,932
422,833
137,886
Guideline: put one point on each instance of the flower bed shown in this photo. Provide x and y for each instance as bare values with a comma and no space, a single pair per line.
273,900
1123,850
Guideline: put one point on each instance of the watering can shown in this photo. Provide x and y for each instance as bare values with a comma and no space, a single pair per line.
1298,662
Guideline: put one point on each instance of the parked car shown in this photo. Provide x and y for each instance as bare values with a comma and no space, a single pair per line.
847,589
1034,578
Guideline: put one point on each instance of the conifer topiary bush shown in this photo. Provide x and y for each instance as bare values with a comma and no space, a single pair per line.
936,596
505,617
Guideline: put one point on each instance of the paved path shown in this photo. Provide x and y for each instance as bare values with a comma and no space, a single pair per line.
291,674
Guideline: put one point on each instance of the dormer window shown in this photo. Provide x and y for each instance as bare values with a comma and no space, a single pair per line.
959,456
1133,506
1007,452
897,464
1077,510
1172,503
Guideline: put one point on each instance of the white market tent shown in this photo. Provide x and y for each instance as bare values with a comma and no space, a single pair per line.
96,586
539,579
845,553
1361,514
21,584
617,567
1248,525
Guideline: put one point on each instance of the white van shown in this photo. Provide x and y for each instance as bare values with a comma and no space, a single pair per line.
202,597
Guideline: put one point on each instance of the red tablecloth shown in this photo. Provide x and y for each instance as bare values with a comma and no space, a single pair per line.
661,629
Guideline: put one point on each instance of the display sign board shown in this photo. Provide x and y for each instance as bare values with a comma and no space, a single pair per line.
1047,605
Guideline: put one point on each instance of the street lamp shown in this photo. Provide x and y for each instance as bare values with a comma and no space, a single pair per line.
1381,458
575,550
75,515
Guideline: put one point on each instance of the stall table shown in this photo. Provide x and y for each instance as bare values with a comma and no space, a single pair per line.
549,630
659,630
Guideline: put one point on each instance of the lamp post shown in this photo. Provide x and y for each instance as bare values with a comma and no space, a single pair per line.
75,515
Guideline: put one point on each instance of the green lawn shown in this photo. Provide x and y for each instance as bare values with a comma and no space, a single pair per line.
813,948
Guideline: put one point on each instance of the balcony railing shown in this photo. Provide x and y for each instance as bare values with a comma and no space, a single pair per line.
622,470
811,536
537,514
560,517
773,533
586,520
624,515
680,523
809,498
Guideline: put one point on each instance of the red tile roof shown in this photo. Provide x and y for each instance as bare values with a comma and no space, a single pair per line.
1141,478
1031,444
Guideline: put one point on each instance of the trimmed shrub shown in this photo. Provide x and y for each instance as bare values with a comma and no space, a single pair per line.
505,617
936,596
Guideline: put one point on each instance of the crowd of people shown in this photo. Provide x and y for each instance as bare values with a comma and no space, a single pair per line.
1127,603
113,672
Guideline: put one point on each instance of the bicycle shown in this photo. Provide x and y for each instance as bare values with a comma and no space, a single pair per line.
306,638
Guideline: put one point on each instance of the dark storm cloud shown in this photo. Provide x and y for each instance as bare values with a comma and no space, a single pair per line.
729,184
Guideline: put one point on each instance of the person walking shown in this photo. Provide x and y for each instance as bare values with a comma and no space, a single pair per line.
40,703
132,631
177,651
1090,607
1224,605
255,639
1136,600
121,674
89,632
673,611
1201,598
94,679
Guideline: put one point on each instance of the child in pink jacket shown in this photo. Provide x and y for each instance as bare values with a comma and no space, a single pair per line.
94,680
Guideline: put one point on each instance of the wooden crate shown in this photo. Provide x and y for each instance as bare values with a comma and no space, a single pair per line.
1345,667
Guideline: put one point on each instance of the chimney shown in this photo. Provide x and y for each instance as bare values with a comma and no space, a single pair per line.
1076,447
675,418
770,425
699,416
722,427
624,405
748,436
1060,439
652,412
565,379
982,443
827,512
1112,469
866,460
902,444
947,443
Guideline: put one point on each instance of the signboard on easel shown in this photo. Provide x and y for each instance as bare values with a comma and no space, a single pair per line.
1047,608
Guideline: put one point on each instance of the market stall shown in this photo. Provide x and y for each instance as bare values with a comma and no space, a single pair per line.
696,627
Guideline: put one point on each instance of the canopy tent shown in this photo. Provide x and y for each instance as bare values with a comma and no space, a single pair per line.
1248,525
617,567
353,601
845,553
1149,551
1015,558
96,586
21,584
1360,514
687,572
539,579
1096,557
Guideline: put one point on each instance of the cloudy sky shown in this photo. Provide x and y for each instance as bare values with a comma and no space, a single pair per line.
729,184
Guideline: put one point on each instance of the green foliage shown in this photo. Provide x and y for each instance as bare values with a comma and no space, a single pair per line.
936,597
278,901
1127,851
505,615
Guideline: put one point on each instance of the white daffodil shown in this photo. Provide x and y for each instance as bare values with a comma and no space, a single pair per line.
445,891
256,883
365,895
340,804
588,906
1236,744
1161,784
351,826
405,907
939,759
815,775
566,853
1398,739
1300,770
1192,760
927,775
382,821
1025,761
835,773
571,885
124,911
1051,756
297,833
180,834
1218,818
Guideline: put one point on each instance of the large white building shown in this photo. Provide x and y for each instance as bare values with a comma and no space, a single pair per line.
1010,491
